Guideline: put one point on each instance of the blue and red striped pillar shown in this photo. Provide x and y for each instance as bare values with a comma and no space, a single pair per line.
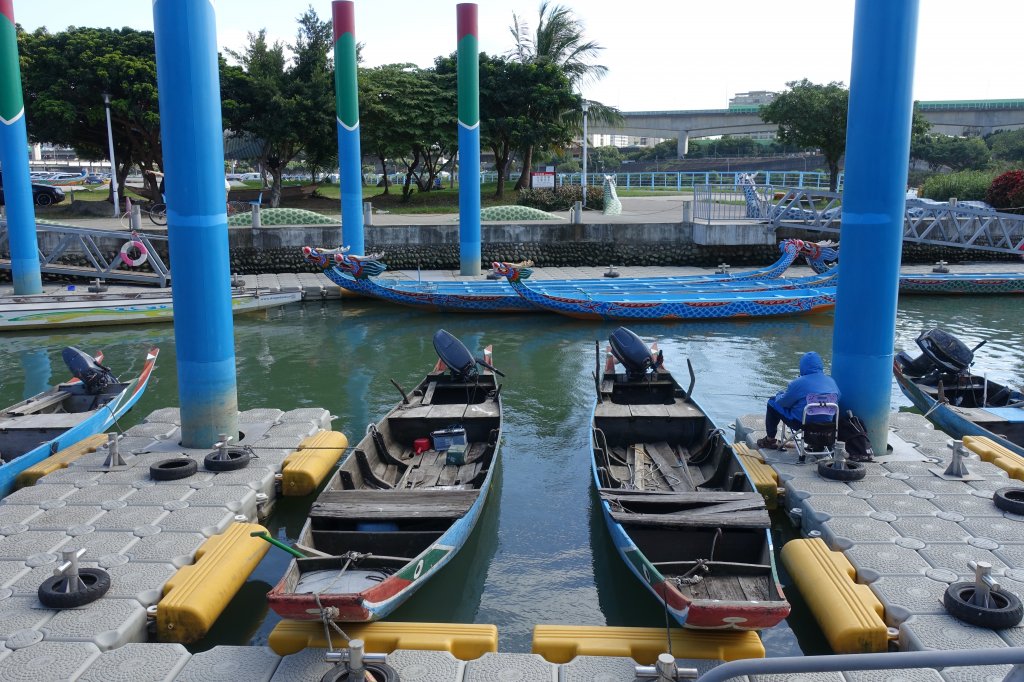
469,139
346,100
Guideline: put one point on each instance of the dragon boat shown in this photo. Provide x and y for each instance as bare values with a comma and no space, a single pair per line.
682,305
88,404
405,500
940,383
677,502
361,274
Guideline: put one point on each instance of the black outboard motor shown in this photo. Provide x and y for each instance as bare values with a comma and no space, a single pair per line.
940,351
454,354
632,352
94,376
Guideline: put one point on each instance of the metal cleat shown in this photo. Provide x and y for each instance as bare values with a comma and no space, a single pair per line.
940,267
665,670
723,269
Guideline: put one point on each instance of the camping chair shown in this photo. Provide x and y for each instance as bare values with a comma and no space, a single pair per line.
816,438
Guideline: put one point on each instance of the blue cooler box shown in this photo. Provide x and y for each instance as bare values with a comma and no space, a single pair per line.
443,439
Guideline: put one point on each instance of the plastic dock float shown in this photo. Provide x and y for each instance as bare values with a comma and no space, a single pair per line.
849,614
991,451
563,643
196,595
60,460
305,469
463,641
764,478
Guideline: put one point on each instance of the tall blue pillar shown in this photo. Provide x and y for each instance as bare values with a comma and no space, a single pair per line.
197,225
469,138
346,95
877,149
21,218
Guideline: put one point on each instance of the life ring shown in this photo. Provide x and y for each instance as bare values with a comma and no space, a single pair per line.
138,246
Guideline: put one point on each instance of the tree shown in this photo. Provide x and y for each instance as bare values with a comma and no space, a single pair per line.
64,77
313,76
559,39
1007,145
605,158
958,153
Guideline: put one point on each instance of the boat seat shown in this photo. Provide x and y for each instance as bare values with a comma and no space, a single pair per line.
34,406
380,505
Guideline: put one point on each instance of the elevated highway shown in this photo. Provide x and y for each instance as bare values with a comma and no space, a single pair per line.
975,117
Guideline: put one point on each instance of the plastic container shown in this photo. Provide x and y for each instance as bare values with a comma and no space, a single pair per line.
445,438
456,455
420,445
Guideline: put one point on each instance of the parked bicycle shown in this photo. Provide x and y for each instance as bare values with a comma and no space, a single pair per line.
157,212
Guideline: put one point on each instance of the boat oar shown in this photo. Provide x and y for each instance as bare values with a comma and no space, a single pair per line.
277,543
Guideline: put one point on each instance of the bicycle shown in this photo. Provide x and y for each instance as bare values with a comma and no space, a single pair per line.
156,211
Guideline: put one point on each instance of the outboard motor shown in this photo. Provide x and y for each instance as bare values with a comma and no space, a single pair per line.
940,351
632,352
94,376
454,354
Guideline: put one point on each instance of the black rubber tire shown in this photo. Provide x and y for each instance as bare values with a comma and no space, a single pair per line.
237,459
1007,614
97,582
382,672
44,199
1010,500
173,469
158,214
851,471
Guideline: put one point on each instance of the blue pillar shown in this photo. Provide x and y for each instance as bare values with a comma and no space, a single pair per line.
193,144
469,138
877,149
21,218
346,94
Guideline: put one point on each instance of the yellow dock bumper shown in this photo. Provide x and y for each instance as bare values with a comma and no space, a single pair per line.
764,478
465,642
849,614
991,451
60,460
196,595
562,643
306,468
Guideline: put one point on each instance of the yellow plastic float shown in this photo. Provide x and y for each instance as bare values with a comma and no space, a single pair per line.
991,451
848,613
305,469
463,641
764,478
562,643
196,595
60,460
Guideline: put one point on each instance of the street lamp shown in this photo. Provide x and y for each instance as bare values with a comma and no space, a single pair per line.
585,107
110,143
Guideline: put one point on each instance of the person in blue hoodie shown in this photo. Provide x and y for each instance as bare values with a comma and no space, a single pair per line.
788,406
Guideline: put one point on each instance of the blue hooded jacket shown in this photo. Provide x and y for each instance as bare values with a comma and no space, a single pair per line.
790,403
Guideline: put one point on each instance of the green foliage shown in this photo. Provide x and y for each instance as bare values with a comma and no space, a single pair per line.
965,186
958,153
570,166
64,77
604,158
1007,145
559,199
1007,190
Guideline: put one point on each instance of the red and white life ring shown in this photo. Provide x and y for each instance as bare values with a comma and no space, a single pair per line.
138,247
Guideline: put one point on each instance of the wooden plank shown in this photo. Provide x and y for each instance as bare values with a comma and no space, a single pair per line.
659,410
701,497
452,412
610,409
485,410
382,513
745,519
681,409
411,411
428,395
419,497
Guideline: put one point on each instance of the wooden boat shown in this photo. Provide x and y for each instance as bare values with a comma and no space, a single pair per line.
678,504
682,305
939,382
19,313
90,403
401,506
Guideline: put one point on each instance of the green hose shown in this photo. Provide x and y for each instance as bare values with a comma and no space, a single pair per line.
277,543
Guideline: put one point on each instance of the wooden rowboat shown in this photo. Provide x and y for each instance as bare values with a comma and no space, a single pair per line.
678,504
406,499
58,418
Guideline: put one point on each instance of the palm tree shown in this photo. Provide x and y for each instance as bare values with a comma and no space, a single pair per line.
558,39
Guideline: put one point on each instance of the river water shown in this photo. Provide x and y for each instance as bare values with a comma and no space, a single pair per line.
540,553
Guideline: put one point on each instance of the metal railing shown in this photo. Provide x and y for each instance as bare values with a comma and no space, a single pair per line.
729,202
83,241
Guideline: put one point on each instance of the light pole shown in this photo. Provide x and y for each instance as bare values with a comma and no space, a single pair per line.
585,106
110,143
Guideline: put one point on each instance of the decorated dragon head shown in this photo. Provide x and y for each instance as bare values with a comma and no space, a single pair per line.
322,258
360,267
514,272
793,247
820,255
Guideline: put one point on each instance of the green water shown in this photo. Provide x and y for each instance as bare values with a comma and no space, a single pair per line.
540,553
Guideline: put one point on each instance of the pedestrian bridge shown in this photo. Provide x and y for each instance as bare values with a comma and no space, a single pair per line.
975,117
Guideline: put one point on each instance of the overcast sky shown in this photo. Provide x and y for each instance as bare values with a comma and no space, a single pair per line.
660,54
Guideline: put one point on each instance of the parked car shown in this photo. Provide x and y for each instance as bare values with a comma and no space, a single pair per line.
250,177
42,195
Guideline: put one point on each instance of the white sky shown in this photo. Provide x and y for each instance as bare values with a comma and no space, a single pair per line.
661,54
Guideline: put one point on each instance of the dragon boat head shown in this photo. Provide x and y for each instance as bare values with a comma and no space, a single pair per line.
360,267
514,272
820,255
322,258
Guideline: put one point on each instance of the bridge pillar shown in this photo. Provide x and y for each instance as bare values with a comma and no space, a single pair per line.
683,143
469,138
877,146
